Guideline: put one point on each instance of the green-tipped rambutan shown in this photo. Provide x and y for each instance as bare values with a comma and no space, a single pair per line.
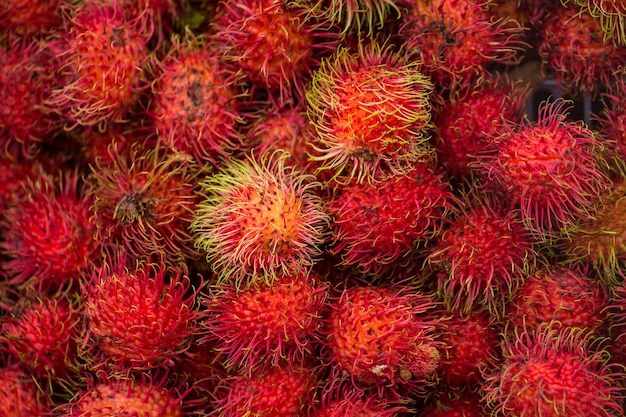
19,394
610,13
260,218
369,110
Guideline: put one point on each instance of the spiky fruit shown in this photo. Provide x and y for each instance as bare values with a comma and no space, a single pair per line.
344,401
550,169
19,394
573,47
196,108
553,372
274,43
122,305
125,397
352,16
382,336
369,110
467,117
25,84
481,254
457,40
610,122
260,218
455,404
263,323
281,390
30,17
611,15
41,334
472,345
561,294
145,201
48,238
375,224
103,53
600,241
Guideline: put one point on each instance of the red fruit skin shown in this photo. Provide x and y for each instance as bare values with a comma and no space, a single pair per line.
574,48
41,334
460,40
276,45
103,53
260,323
370,110
345,401
552,371
48,238
144,202
550,169
375,224
611,16
31,17
610,122
452,404
559,294
381,337
480,256
122,305
280,390
19,394
466,118
26,84
197,101
472,345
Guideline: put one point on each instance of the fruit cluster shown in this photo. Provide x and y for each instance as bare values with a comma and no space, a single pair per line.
312,208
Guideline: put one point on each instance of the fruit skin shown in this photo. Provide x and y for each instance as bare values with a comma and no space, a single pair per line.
103,52
369,110
345,401
375,224
455,404
197,101
381,337
41,334
555,293
145,201
31,17
125,397
481,254
48,238
574,48
259,218
259,324
550,169
610,14
281,390
19,394
122,304
553,371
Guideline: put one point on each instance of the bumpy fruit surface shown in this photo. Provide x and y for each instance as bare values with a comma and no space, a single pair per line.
19,394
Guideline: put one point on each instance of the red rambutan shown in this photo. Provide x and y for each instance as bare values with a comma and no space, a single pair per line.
19,394
260,218
455,404
345,401
369,110
610,13
31,17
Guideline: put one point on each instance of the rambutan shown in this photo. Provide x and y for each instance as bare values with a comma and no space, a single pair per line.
550,169
610,13
382,337
264,323
145,201
281,390
31,17
40,332
481,254
274,43
559,294
19,394
375,224
48,239
370,110
573,48
196,108
260,218
345,401
25,85
552,372
103,53
458,40
454,404
137,317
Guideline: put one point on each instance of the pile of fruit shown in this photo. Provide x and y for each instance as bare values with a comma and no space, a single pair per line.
316,208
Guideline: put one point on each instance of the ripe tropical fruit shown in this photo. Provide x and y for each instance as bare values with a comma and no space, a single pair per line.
611,15
551,169
345,401
375,224
260,218
382,337
552,371
31,17
19,394
369,110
